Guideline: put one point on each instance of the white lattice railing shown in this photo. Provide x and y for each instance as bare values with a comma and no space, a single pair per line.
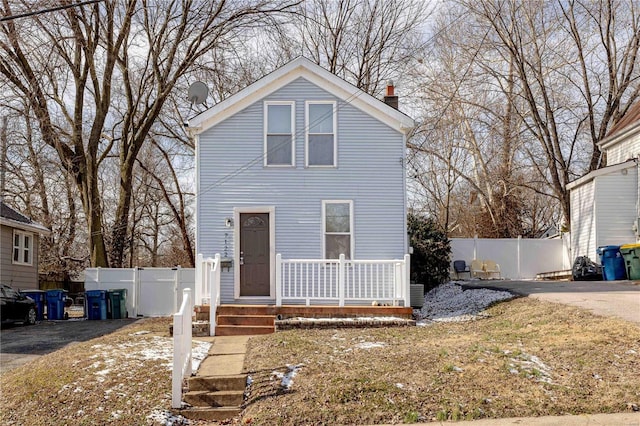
338,280
181,347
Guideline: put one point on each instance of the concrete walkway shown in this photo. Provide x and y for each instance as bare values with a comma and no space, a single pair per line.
619,299
226,356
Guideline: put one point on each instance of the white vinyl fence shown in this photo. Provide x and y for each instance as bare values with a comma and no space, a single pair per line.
519,258
151,292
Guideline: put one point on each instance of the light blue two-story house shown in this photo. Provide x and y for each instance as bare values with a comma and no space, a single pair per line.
301,191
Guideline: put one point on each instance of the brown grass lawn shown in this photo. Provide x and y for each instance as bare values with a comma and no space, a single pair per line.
528,358
113,379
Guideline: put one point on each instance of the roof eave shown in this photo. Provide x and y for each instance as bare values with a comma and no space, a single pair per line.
600,172
618,137
300,67
31,227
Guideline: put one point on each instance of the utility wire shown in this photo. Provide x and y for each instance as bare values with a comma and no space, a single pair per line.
52,9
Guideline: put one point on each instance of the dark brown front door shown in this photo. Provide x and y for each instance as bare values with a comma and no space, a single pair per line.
254,254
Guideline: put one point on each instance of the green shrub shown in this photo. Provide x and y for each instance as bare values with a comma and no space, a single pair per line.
431,251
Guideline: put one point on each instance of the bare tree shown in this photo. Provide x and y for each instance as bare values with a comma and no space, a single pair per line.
531,88
73,66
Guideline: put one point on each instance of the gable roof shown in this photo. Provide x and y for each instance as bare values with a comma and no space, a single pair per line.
626,127
15,219
301,67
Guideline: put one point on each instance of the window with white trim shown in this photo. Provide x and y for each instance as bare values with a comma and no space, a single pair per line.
337,223
22,248
321,147
279,131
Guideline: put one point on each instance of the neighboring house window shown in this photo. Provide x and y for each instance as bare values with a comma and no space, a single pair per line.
279,141
337,222
22,248
321,146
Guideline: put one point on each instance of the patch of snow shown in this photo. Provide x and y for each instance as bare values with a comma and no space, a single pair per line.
167,418
356,319
399,385
631,352
249,380
450,303
532,366
286,379
457,369
139,333
370,345
116,414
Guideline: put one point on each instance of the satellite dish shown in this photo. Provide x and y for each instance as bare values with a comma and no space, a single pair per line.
198,92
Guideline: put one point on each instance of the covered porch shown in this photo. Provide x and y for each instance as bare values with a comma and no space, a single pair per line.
336,292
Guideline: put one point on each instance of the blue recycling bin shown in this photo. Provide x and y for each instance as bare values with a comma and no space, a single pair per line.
613,265
96,304
55,304
38,296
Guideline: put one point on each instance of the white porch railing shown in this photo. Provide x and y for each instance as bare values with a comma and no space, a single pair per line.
207,286
340,279
181,347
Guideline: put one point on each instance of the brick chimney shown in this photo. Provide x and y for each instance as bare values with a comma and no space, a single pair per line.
390,98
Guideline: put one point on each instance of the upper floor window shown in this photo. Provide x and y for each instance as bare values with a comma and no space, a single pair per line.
321,149
279,129
22,248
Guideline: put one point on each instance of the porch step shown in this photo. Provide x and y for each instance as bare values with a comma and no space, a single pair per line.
243,330
236,382
205,398
211,413
262,320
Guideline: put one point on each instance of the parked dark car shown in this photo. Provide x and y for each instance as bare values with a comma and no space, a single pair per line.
16,307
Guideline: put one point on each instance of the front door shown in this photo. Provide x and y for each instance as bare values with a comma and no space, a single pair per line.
254,255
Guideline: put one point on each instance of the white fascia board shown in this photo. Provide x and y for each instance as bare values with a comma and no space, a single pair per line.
615,139
300,67
600,172
31,227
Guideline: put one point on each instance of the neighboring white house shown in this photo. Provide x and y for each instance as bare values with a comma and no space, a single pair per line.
19,245
301,164
604,203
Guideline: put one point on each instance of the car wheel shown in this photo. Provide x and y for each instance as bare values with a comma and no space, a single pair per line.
31,317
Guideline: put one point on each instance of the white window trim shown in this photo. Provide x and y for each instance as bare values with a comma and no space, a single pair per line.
335,134
324,227
293,132
21,248
271,210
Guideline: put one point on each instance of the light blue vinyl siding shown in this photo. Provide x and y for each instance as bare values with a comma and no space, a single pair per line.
369,171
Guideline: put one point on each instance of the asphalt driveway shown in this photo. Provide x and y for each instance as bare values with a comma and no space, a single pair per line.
20,344
608,298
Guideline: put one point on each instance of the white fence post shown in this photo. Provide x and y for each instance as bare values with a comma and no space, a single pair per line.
214,294
197,299
176,287
407,280
278,279
181,347
341,265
